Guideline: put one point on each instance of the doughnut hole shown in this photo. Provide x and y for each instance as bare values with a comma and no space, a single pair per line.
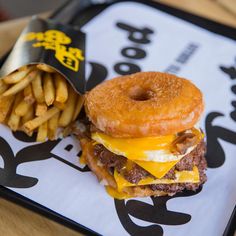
137,93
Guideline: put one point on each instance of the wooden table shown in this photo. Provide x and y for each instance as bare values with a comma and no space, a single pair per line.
16,220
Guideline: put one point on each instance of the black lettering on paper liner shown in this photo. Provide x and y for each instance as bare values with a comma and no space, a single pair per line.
21,136
8,176
133,53
126,68
215,153
233,113
154,214
229,70
233,89
136,35
68,147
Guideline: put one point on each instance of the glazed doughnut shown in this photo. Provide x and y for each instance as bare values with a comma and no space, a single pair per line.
144,104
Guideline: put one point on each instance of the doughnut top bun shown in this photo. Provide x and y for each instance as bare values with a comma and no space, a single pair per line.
144,104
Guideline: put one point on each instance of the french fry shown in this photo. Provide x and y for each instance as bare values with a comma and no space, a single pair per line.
22,108
67,114
46,68
36,122
37,88
21,85
41,108
5,107
28,95
3,86
42,132
52,126
14,119
17,76
48,88
78,106
24,67
61,88
28,116
59,105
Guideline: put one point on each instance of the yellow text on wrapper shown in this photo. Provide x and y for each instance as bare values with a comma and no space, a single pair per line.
57,41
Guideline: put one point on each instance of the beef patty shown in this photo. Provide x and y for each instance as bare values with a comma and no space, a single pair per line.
134,173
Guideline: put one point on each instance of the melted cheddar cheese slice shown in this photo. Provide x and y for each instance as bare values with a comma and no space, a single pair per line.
180,177
157,169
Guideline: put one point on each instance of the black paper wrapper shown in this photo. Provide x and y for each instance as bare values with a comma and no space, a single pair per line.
59,46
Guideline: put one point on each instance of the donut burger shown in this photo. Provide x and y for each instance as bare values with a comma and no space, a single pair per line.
143,137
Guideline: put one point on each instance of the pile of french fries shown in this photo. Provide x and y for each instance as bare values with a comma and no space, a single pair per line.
36,98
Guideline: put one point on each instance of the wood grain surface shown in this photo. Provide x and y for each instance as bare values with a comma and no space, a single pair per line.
16,220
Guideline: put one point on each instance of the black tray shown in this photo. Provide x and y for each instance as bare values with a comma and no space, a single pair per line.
78,13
